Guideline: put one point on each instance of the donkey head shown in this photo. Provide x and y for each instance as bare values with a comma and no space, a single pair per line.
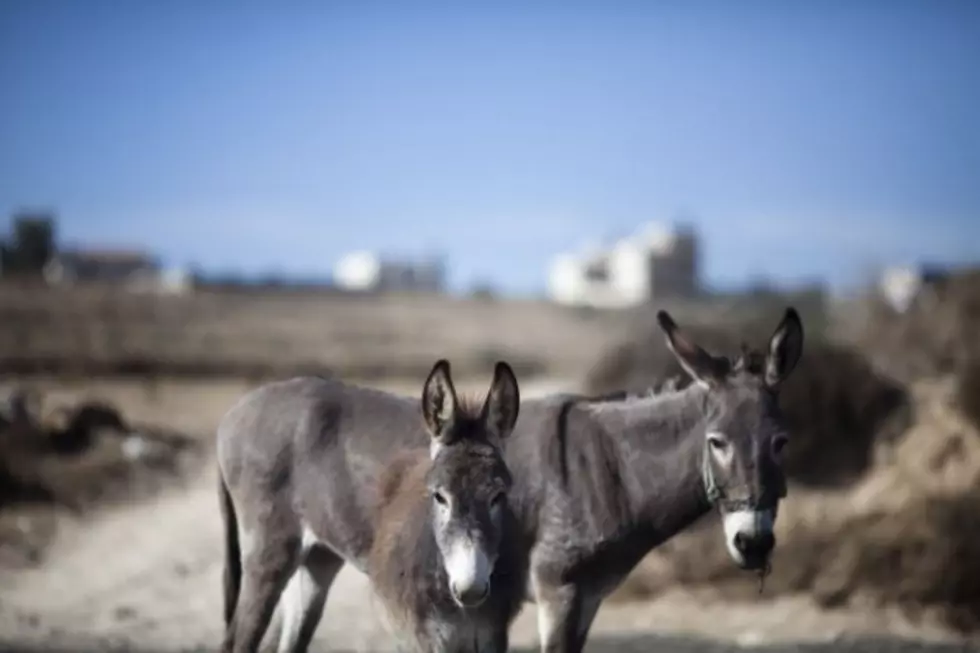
744,433
468,480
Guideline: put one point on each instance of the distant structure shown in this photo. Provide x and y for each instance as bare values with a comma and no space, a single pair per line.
29,245
364,271
99,266
901,285
655,262
134,270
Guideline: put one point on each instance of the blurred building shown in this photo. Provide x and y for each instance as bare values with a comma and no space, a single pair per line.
656,262
365,271
29,245
118,267
173,281
900,286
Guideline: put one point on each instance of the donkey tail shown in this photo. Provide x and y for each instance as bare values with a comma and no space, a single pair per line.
233,559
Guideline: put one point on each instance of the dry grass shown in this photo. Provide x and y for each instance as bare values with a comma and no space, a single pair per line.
204,334
936,336
968,392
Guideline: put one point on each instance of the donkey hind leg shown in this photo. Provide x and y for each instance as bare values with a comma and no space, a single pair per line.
304,597
266,570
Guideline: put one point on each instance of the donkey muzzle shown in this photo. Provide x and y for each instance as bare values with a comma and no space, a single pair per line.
469,567
472,595
755,549
749,537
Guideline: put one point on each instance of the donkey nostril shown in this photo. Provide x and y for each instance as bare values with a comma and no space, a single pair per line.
756,545
741,542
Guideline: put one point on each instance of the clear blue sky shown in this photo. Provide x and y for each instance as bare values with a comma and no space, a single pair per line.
808,139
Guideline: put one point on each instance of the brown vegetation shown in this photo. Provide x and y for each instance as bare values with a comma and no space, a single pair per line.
74,459
936,335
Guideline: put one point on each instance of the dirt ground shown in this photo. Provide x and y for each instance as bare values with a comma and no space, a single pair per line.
145,575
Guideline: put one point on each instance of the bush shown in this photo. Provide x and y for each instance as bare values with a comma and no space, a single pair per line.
937,334
968,393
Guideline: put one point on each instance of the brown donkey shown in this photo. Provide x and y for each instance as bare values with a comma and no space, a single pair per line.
444,560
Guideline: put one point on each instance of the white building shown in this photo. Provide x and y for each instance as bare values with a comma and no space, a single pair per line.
365,271
358,271
654,262
902,285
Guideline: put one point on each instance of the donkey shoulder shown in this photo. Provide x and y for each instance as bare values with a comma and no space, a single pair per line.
403,478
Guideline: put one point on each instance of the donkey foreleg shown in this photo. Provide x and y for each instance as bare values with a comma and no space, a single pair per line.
565,615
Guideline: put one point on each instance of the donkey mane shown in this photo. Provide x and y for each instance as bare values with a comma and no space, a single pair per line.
749,361
666,388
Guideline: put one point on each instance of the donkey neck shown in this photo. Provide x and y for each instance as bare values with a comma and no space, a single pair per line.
660,442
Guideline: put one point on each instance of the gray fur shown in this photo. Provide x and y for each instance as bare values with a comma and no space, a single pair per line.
597,484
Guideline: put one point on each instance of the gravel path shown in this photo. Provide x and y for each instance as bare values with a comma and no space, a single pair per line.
147,576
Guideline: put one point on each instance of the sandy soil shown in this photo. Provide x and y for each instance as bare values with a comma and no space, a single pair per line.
146,576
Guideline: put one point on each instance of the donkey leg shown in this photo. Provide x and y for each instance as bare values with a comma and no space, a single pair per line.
501,641
304,598
587,606
266,571
565,615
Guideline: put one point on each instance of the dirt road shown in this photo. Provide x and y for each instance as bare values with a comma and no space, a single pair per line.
147,577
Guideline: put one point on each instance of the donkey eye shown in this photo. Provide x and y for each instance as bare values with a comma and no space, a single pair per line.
440,498
716,443
497,500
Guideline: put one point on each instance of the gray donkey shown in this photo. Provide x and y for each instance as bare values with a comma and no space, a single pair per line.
443,562
597,483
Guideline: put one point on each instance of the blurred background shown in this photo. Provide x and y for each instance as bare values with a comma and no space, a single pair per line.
200,197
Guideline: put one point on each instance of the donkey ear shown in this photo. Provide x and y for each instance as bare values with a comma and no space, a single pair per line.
785,348
503,402
438,399
702,366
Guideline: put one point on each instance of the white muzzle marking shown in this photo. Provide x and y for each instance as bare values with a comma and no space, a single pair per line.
748,523
468,568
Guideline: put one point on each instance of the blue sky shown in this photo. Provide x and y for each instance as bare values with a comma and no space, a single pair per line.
807,140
